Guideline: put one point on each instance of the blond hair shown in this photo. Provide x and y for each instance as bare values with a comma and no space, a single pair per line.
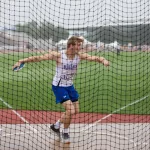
74,40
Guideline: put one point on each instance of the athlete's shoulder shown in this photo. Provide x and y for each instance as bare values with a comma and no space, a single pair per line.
55,53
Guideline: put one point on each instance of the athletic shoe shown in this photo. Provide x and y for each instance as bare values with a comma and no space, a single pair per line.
57,131
65,138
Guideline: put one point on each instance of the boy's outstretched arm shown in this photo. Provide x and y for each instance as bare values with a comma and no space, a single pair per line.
50,56
85,56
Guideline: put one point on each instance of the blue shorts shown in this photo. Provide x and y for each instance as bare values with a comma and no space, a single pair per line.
63,94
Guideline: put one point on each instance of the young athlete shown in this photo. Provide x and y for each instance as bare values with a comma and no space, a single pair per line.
67,62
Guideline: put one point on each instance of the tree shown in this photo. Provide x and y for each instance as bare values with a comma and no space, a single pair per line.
124,34
44,31
30,28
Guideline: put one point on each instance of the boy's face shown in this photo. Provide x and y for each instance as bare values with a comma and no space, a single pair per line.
77,47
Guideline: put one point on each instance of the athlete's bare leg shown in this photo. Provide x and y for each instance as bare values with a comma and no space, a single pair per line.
67,115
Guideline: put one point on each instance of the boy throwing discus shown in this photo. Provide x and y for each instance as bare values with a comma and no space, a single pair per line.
62,85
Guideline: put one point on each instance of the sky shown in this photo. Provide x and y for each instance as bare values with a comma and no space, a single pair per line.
74,14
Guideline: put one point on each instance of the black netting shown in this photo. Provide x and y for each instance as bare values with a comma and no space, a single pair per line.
113,94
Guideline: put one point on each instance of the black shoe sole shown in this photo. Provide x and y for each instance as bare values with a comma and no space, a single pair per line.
58,134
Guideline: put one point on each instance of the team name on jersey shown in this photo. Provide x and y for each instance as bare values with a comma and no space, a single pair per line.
70,66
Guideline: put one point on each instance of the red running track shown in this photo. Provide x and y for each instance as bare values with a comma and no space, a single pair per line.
48,117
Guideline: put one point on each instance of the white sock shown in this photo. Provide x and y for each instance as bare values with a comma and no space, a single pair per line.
57,124
66,130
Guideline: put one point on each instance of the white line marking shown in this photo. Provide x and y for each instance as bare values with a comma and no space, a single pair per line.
16,113
119,136
137,101
108,134
135,143
23,133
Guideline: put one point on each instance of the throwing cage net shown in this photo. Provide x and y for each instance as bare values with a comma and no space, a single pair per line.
114,101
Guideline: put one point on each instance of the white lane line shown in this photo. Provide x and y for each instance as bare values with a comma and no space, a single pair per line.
16,113
135,102
94,124
23,133
120,137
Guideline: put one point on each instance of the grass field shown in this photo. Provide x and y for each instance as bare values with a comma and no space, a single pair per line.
101,89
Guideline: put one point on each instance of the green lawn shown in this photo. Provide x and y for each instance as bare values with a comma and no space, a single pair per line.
101,89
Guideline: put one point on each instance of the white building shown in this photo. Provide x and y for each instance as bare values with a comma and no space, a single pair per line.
114,45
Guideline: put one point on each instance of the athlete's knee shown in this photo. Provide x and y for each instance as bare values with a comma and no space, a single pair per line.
70,112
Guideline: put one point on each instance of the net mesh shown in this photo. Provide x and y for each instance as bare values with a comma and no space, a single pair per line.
114,101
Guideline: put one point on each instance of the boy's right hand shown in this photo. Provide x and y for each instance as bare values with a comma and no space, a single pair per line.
16,65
